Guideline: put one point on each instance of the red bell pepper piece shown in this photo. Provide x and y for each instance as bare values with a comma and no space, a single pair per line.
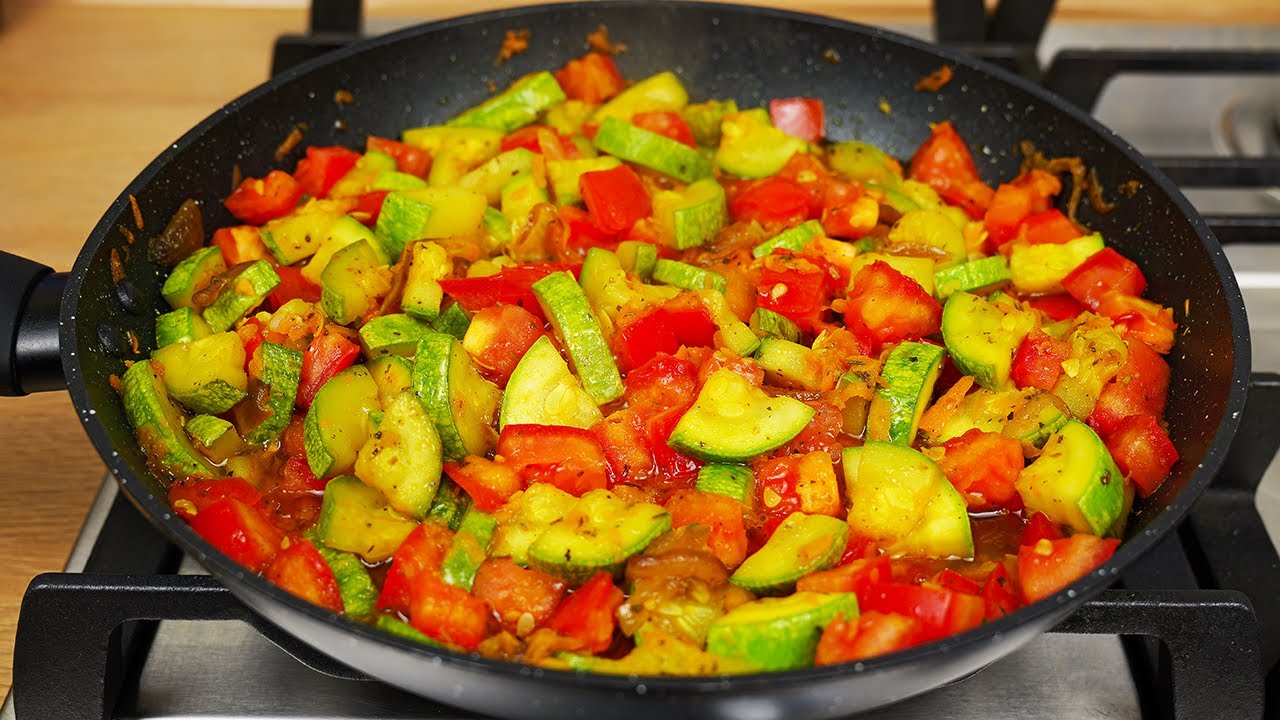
569,458
669,463
488,483
666,124
1104,271
299,569
241,244
447,613
887,307
773,202
722,514
1051,565
626,447
944,163
615,197
941,612
800,117
322,167
498,337
1143,451
189,495
592,78
1058,306
662,331
1048,227
793,286
871,635
854,577
583,232
293,286
240,531
513,591
661,382
1000,593
369,206
256,201
511,286
1147,321
409,159
421,552
329,353
588,613
1140,387
1038,360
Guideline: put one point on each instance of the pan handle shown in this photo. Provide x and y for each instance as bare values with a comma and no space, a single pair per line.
30,307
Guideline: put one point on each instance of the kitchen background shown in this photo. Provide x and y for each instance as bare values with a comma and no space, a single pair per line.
91,91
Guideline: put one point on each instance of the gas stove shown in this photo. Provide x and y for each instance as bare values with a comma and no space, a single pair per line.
1193,631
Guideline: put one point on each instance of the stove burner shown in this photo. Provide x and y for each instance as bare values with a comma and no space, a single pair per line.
1249,127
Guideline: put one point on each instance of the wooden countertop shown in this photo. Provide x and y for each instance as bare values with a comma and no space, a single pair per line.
92,91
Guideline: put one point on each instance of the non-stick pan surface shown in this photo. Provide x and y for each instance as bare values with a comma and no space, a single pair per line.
427,74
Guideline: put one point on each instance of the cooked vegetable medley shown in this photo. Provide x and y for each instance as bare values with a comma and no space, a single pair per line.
595,377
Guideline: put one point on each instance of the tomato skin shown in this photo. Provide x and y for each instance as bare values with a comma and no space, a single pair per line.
322,167
447,613
1104,271
490,484
297,477
293,286
301,570
944,163
888,307
666,124
1038,360
983,466
543,140
1143,451
662,381
592,78
1000,593
1143,319
329,353
189,495
823,189
792,286
616,198
1140,387
498,337
773,201
240,531
241,244
800,117
1039,527
513,591
255,201
1059,306
1051,565
588,613
941,612
855,577
873,634
569,458
421,552
723,514
409,159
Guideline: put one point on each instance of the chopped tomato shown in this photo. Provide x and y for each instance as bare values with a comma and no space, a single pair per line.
942,612
1039,527
1142,319
409,159
512,285
983,467
669,463
1038,361
822,187
854,577
498,337
421,552
293,286
488,483
447,613
1143,451
296,476
583,232
543,140
1051,565
662,381
569,458
240,531
322,167
1000,593
777,495
887,307
329,353
301,570
944,163
1010,205
773,202
588,613
622,436
666,124
369,207
1059,306
252,335
1104,271
1048,227
241,244
189,495
513,592
721,513
592,78
1139,388
852,218
800,117
793,286
952,580
872,634
663,330
256,201
615,197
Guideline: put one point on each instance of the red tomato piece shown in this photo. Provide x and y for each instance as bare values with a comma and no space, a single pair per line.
1000,593
873,634
944,163
942,612
513,591
583,232
1038,360
293,286
252,336
1059,306
776,492
662,331
569,458
1104,271
983,466
592,78
793,286
296,476
421,552
1048,227
691,322
666,124
669,463
488,483
1039,527
369,206
773,201
189,495
615,197
409,159
240,531
329,353
626,447
447,613
542,140
812,176
241,244
1147,321
1051,565
721,513
954,581
301,570
499,336
854,577
588,613
1143,451
512,286
256,201
1140,387
661,382
800,117
322,167
888,307
1010,205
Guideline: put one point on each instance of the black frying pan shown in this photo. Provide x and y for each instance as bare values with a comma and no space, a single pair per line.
427,74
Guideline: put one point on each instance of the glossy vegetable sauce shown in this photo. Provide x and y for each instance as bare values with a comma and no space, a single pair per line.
594,376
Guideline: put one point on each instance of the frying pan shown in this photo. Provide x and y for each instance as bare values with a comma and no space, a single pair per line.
425,75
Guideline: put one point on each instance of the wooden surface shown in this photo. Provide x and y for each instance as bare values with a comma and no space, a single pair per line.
91,92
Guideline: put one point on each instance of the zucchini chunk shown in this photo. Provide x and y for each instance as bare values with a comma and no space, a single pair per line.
905,389
778,633
972,276
457,398
751,147
242,293
566,306
356,518
1041,268
689,277
982,338
793,239
395,334
692,216
337,424
215,437
802,544
656,93
402,458
449,505
191,276
181,326
468,549
516,106
598,533
542,391
344,231
207,375
281,373
355,277
158,423
428,265
732,420
1075,482
359,594
625,141
393,375
735,481
525,517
